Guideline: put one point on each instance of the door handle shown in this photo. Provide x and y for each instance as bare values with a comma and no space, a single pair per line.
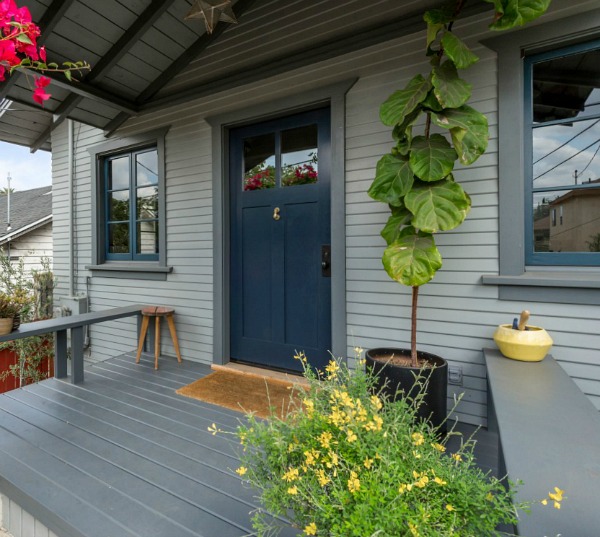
326,260
276,215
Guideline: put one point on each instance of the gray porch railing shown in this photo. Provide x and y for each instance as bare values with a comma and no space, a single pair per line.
74,323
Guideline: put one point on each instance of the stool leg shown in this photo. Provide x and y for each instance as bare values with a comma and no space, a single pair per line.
143,332
171,323
156,341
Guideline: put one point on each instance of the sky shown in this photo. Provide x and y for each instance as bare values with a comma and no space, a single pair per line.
27,170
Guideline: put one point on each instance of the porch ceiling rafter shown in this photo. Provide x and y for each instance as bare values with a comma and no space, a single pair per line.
109,60
350,42
178,65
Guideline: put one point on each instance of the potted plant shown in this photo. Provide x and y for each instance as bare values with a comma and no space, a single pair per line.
8,310
415,180
343,463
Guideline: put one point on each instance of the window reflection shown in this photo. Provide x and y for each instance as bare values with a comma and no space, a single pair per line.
299,156
259,162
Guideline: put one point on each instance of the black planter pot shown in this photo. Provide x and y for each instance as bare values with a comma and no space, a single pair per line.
399,381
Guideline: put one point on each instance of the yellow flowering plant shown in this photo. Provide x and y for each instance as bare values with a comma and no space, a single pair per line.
345,463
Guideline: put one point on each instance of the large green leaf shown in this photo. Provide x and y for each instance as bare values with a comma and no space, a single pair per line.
413,259
450,90
398,220
393,180
438,206
457,51
511,13
402,103
441,15
469,130
431,159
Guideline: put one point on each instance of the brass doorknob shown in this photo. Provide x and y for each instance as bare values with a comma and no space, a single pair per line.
276,215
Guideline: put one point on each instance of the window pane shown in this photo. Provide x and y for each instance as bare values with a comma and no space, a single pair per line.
147,168
147,202
299,156
567,220
147,238
118,205
567,87
566,154
259,162
118,238
118,173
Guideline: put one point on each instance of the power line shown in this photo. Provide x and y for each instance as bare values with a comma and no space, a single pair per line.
593,157
567,159
567,142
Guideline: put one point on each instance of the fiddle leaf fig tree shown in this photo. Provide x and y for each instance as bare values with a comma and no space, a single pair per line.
416,178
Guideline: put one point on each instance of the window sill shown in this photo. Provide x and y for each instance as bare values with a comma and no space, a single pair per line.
559,287
131,271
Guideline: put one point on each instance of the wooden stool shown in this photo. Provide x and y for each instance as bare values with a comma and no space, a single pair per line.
157,312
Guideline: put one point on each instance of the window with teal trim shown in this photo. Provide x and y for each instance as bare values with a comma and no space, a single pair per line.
131,205
563,156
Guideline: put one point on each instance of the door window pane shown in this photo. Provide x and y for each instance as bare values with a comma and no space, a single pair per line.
259,162
299,156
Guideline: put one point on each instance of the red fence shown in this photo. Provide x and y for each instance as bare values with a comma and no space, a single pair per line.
8,358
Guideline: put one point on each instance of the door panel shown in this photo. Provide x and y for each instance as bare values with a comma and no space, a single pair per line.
280,221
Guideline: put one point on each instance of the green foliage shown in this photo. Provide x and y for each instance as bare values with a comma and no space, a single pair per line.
415,178
31,297
345,463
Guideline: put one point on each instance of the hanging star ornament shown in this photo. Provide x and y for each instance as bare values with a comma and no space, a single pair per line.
212,11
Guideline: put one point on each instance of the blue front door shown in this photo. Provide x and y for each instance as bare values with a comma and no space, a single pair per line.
280,237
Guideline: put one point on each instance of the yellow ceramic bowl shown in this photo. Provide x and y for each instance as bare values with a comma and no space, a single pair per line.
530,345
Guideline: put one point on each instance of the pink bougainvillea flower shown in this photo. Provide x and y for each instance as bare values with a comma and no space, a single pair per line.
43,54
39,93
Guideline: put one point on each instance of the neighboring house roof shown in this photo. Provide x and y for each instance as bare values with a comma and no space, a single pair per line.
29,210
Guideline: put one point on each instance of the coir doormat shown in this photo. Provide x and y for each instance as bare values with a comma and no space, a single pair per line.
245,392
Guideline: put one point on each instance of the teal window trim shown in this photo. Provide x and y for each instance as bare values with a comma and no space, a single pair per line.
100,265
133,219
533,258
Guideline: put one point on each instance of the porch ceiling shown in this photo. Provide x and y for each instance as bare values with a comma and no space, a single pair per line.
145,56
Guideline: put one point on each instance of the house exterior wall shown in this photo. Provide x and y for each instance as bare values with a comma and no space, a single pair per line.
457,314
33,248
19,522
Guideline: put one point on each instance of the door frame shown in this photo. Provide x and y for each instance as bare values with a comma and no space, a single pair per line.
335,97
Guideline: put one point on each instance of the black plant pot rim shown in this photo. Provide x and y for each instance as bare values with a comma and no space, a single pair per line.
376,355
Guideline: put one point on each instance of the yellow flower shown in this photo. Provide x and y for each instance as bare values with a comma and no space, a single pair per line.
323,477
332,369
351,436
309,405
414,530
557,495
418,439
358,351
333,459
291,475
439,447
422,482
457,457
311,529
489,497
353,482
293,490
416,454
213,429
311,455
403,488
325,439
544,502
449,507
368,463
556,505
241,470
301,356
440,481
376,402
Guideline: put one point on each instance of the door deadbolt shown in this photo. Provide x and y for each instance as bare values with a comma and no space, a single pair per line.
276,215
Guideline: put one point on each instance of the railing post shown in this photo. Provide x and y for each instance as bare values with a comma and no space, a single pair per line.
60,354
77,354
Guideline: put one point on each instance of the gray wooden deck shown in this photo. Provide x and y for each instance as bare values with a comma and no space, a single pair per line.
121,455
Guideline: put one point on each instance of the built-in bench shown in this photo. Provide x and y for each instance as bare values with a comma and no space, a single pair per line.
549,435
76,324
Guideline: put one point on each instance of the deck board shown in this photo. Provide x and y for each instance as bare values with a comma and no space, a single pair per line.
122,455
